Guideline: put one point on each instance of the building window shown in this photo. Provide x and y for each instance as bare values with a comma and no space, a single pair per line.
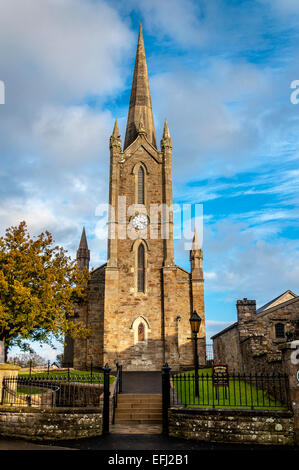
279,330
141,336
140,185
141,268
141,329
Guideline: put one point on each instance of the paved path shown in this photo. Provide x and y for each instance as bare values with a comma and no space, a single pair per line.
12,444
140,442
142,382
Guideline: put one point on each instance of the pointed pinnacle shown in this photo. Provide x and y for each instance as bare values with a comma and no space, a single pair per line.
140,34
115,132
195,241
83,241
166,133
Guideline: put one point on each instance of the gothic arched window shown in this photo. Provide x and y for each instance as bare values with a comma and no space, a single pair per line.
141,268
141,336
279,330
140,185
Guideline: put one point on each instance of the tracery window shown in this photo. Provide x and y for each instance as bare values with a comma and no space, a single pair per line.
140,186
141,268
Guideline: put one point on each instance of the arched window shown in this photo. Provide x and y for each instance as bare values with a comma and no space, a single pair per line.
141,329
279,330
140,185
140,332
141,268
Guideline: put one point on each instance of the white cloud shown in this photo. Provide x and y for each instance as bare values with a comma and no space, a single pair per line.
72,135
210,275
175,18
215,115
75,45
247,266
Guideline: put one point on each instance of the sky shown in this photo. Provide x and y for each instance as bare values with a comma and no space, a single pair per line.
220,71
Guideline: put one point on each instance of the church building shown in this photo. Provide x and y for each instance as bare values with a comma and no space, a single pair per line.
140,302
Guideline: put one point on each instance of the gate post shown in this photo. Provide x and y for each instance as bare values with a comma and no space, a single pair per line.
106,405
165,397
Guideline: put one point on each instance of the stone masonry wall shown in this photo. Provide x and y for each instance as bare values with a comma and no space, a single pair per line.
232,426
49,423
261,327
227,350
251,346
90,350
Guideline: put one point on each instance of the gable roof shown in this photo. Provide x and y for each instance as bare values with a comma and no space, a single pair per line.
230,327
287,295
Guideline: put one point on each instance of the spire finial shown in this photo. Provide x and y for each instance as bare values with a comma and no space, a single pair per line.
115,140
115,132
140,101
166,132
166,139
195,241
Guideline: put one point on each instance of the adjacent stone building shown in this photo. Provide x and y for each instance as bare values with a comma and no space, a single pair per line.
140,301
253,343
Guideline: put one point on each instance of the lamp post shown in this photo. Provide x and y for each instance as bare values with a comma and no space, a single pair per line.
195,322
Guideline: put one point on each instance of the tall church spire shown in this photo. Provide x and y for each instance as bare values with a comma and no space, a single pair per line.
140,102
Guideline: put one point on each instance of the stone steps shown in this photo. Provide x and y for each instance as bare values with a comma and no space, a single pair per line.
136,429
136,406
138,409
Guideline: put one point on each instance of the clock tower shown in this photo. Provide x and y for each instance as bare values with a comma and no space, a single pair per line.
140,301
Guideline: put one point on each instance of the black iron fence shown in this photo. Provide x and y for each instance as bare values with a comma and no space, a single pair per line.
251,391
230,391
117,390
91,371
64,389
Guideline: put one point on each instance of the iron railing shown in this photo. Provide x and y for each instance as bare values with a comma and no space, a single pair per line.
52,392
252,391
63,389
117,390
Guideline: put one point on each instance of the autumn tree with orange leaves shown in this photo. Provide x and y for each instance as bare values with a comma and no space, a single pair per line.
40,287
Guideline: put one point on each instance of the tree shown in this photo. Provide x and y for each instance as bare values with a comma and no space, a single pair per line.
59,359
40,287
27,359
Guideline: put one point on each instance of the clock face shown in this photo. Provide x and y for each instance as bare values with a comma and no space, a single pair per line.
140,221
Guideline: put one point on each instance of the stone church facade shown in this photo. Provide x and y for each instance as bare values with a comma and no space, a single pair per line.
139,302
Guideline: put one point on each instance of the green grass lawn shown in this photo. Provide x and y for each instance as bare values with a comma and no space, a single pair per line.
239,394
28,390
80,375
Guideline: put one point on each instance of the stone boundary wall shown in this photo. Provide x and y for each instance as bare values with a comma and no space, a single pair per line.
49,423
233,426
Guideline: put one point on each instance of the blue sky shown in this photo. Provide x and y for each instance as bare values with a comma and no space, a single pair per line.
220,71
